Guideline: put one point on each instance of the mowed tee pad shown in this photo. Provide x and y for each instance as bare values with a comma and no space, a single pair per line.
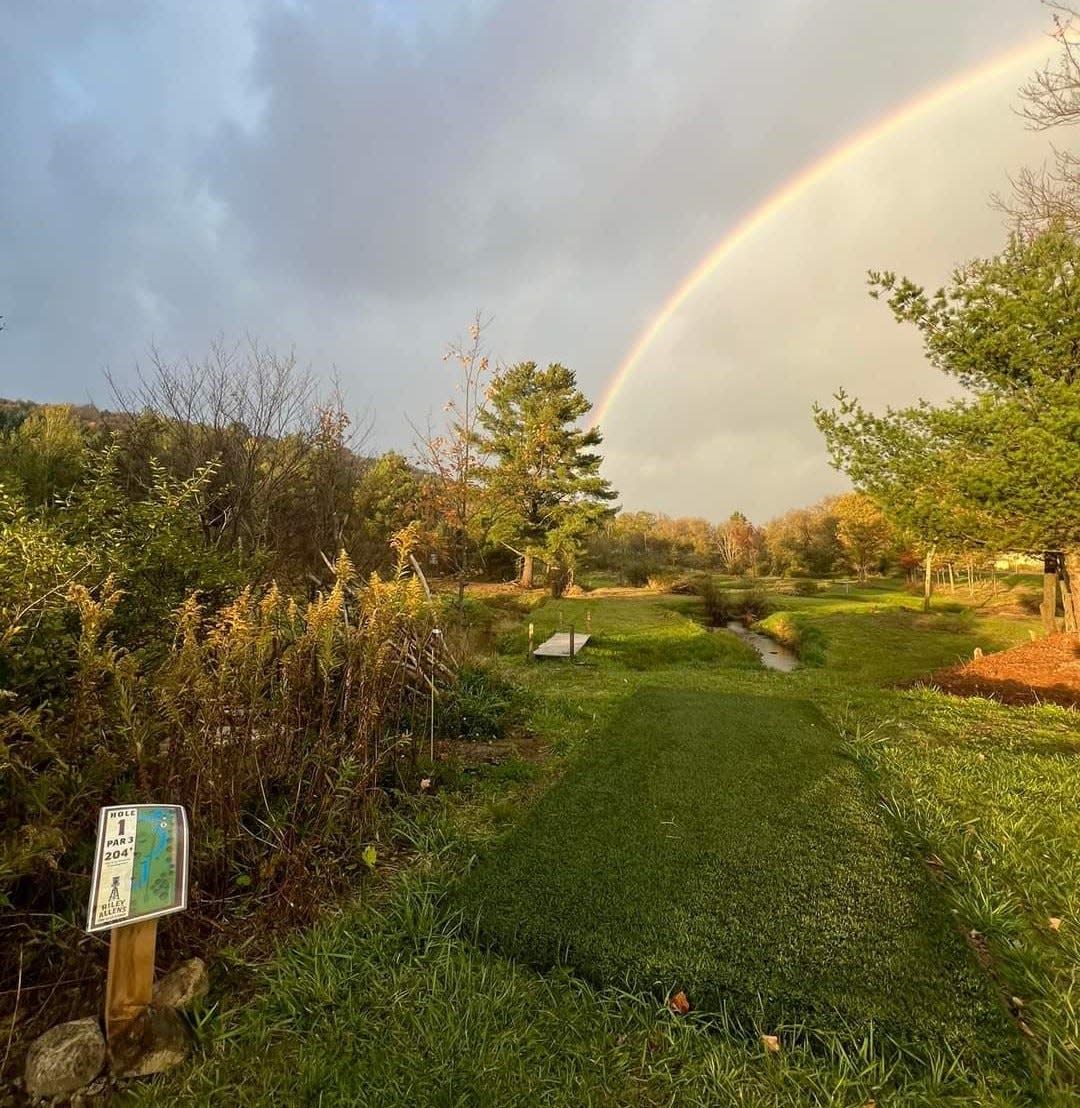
140,864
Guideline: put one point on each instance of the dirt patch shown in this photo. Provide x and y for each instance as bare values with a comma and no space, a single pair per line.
527,746
1039,672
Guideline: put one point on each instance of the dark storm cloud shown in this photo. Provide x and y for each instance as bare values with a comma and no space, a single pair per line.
354,179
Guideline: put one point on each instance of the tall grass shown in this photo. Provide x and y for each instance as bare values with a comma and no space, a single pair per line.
271,720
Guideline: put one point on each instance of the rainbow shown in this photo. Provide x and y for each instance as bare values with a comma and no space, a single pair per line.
791,190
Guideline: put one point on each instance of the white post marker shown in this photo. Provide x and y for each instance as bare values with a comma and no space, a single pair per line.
140,874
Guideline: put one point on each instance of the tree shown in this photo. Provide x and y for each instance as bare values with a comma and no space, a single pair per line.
254,414
386,499
998,468
862,531
803,541
45,453
544,491
1051,99
736,543
452,457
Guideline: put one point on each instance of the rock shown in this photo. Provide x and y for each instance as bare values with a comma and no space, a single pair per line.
153,1042
182,986
65,1058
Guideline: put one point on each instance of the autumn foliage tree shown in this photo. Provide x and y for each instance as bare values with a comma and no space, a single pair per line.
862,531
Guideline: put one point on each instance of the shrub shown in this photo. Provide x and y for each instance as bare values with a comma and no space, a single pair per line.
637,572
268,719
800,586
724,605
479,705
804,586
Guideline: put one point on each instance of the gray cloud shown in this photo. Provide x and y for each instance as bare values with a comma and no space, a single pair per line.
355,179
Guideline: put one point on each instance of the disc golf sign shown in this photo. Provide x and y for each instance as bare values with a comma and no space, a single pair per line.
140,865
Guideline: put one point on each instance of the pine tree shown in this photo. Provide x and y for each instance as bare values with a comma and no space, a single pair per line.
544,490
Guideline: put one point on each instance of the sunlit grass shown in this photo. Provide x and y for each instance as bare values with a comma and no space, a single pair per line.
719,844
397,1001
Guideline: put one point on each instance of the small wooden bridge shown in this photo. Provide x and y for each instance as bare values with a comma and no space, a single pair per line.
563,644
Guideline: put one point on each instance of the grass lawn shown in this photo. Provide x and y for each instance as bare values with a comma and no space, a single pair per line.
793,889
720,844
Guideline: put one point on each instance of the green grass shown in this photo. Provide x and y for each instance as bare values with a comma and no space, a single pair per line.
720,844
397,1005
991,794
407,999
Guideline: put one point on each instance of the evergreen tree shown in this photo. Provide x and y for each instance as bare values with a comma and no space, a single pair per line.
544,491
998,469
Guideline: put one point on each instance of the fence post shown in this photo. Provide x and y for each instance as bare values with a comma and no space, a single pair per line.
529,656
571,642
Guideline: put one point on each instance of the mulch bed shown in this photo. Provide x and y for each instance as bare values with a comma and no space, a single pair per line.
1039,672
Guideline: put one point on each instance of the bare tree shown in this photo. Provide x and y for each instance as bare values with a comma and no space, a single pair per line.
257,416
452,457
1050,99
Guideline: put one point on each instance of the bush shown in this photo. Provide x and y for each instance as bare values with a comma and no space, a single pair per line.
267,719
480,706
724,605
637,572
804,587
801,586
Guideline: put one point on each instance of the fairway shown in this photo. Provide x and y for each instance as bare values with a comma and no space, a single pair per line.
721,844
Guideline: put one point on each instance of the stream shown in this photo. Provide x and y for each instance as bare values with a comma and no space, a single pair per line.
773,654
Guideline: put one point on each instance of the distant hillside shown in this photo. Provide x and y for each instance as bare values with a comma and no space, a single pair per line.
13,412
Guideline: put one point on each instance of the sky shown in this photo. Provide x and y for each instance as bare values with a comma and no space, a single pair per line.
356,180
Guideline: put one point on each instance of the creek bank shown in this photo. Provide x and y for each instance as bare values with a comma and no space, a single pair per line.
773,654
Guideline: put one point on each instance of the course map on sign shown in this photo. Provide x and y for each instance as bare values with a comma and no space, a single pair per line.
140,866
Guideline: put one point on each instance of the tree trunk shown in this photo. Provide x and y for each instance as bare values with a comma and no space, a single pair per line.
1048,608
557,575
1070,590
527,571
928,580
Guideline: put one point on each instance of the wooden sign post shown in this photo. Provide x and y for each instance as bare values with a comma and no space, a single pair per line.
130,984
140,874
529,657
571,642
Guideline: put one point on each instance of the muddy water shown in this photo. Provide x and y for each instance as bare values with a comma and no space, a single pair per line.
773,655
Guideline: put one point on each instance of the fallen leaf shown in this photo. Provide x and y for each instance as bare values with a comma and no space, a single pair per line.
1054,923
771,1043
679,1004
1016,1002
368,856
425,782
